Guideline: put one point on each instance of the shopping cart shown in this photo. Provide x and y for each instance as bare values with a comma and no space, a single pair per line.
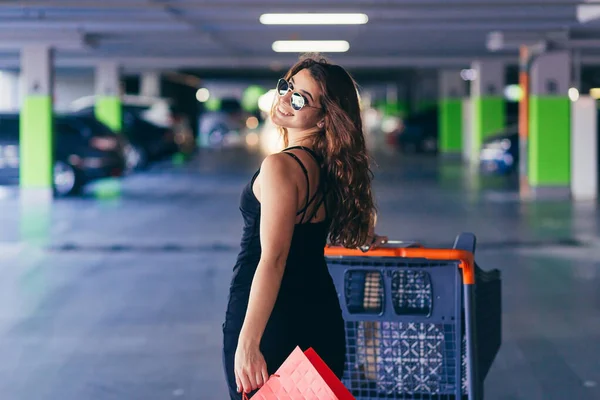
421,323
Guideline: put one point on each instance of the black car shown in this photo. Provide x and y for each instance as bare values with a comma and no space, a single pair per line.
85,150
145,141
419,133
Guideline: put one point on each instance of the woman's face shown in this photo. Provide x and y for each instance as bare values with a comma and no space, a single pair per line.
307,117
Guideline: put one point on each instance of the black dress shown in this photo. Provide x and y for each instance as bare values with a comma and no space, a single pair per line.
307,311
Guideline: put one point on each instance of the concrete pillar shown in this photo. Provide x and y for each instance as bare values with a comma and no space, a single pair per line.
467,131
487,102
150,84
395,96
391,99
403,99
36,122
9,87
549,142
425,91
584,149
452,89
108,108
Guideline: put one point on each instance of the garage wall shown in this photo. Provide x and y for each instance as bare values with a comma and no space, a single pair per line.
9,88
69,86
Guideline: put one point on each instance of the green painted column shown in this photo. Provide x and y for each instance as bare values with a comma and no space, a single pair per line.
395,102
402,108
394,108
549,141
487,102
424,93
108,108
36,148
36,145
452,91
424,105
488,118
450,125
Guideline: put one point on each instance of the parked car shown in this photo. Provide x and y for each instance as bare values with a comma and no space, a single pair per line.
419,133
147,142
152,127
85,150
159,112
500,152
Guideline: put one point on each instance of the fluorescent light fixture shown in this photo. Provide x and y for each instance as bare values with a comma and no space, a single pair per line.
587,12
314,19
305,46
595,93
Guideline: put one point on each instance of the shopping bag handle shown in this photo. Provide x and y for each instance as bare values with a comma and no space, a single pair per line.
245,396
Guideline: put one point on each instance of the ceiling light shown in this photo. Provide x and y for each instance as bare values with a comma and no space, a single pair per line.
202,95
468,74
314,19
573,94
305,46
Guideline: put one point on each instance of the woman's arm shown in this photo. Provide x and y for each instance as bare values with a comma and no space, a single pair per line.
279,204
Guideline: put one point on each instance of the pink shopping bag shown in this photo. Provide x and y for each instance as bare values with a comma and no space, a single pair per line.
303,376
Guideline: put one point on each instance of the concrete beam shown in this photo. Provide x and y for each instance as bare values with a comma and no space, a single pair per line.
143,63
411,25
241,15
178,16
339,5
64,40
104,26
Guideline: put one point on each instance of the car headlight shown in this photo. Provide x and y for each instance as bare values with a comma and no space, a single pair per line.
503,144
104,143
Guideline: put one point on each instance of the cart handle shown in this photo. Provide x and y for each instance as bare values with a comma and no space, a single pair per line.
465,258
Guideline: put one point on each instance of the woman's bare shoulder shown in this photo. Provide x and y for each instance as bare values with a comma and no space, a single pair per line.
277,163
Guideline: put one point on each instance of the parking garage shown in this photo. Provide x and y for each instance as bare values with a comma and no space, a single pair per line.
128,131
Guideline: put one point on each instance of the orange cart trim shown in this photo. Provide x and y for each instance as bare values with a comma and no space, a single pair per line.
467,262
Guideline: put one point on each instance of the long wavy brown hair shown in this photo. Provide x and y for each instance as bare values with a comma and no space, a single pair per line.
341,145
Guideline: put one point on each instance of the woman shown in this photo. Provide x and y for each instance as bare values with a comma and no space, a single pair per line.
318,187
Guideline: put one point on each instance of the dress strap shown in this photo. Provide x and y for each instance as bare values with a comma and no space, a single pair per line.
309,151
320,190
295,157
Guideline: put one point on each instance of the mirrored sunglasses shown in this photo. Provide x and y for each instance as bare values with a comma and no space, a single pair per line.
297,100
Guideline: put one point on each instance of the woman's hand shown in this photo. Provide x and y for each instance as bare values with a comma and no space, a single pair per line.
378,240
374,242
250,368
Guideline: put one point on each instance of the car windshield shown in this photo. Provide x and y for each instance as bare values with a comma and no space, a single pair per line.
87,125
98,128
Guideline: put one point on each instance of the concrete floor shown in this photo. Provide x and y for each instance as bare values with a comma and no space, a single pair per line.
121,294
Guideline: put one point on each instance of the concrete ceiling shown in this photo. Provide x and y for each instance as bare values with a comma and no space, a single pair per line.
228,34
